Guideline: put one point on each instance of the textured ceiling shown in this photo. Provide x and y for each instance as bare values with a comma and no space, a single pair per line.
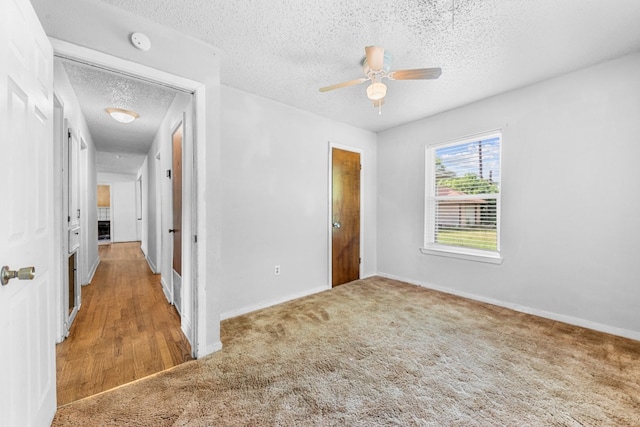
286,49
121,147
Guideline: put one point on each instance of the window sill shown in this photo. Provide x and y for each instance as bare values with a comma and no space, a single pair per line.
488,258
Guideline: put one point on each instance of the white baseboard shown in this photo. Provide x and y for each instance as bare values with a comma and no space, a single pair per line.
244,310
212,348
185,325
151,265
94,267
165,290
176,296
576,321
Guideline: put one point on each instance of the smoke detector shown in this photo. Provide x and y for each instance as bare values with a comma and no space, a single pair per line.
140,41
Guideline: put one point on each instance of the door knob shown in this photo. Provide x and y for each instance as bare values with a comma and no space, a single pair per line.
173,230
26,273
336,225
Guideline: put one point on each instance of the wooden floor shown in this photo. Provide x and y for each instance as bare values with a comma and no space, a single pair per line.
125,328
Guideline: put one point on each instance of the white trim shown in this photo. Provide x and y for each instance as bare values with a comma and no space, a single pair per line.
60,225
430,194
166,290
186,330
73,52
174,127
175,279
159,215
151,265
200,262
360,151
193,236
217,346
171,240
248,309
92,272
488,257
469,137
576,321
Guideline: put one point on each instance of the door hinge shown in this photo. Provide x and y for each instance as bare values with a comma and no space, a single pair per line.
359,260
169,173
69,133
68,219
195,238
360,166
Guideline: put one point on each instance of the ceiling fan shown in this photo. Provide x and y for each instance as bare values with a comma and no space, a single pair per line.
376,65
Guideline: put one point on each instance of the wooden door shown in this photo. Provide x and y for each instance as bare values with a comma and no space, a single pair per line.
27,307
177,215
345,189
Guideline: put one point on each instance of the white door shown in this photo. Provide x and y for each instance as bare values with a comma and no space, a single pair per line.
71,288
27,322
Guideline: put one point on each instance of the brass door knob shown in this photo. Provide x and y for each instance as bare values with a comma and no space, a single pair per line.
26,273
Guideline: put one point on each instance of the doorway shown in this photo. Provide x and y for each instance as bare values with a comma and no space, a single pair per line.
72,225
104,214
176,204
345,215
140,206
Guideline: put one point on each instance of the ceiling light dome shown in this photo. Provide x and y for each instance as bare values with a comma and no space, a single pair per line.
122,116
376,91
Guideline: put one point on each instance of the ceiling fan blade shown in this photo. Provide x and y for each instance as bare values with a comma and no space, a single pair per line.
375,57
416,74
344,84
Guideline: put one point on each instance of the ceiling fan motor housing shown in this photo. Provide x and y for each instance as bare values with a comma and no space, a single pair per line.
386,64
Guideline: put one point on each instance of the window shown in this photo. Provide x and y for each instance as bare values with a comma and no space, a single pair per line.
462,204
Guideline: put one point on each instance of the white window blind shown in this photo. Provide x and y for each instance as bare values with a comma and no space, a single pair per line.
463,195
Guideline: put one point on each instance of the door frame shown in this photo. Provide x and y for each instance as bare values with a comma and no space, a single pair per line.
59,225
72,224
157,168
73,52
360,151
171,241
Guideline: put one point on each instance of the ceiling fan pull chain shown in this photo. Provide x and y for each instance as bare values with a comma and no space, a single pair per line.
453,14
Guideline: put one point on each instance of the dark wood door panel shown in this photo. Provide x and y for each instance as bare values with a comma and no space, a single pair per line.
346,216
177,200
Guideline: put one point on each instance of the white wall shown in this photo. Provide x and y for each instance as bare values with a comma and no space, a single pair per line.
143,223
123,212
570,205
158,195
138,207
275,200
88,259
123,205
88,191
89,194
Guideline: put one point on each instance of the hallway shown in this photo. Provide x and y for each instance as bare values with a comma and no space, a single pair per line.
125,329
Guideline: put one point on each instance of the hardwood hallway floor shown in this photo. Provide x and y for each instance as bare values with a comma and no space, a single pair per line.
125,329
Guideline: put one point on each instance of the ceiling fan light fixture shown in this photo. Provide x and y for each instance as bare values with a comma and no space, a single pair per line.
376,91
376,66
121,115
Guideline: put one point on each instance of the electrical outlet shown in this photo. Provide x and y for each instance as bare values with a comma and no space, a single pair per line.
276,270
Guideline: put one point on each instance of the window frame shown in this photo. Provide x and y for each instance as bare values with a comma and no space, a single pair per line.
432,248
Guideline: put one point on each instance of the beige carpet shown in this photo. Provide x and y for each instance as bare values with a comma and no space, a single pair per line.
380,352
